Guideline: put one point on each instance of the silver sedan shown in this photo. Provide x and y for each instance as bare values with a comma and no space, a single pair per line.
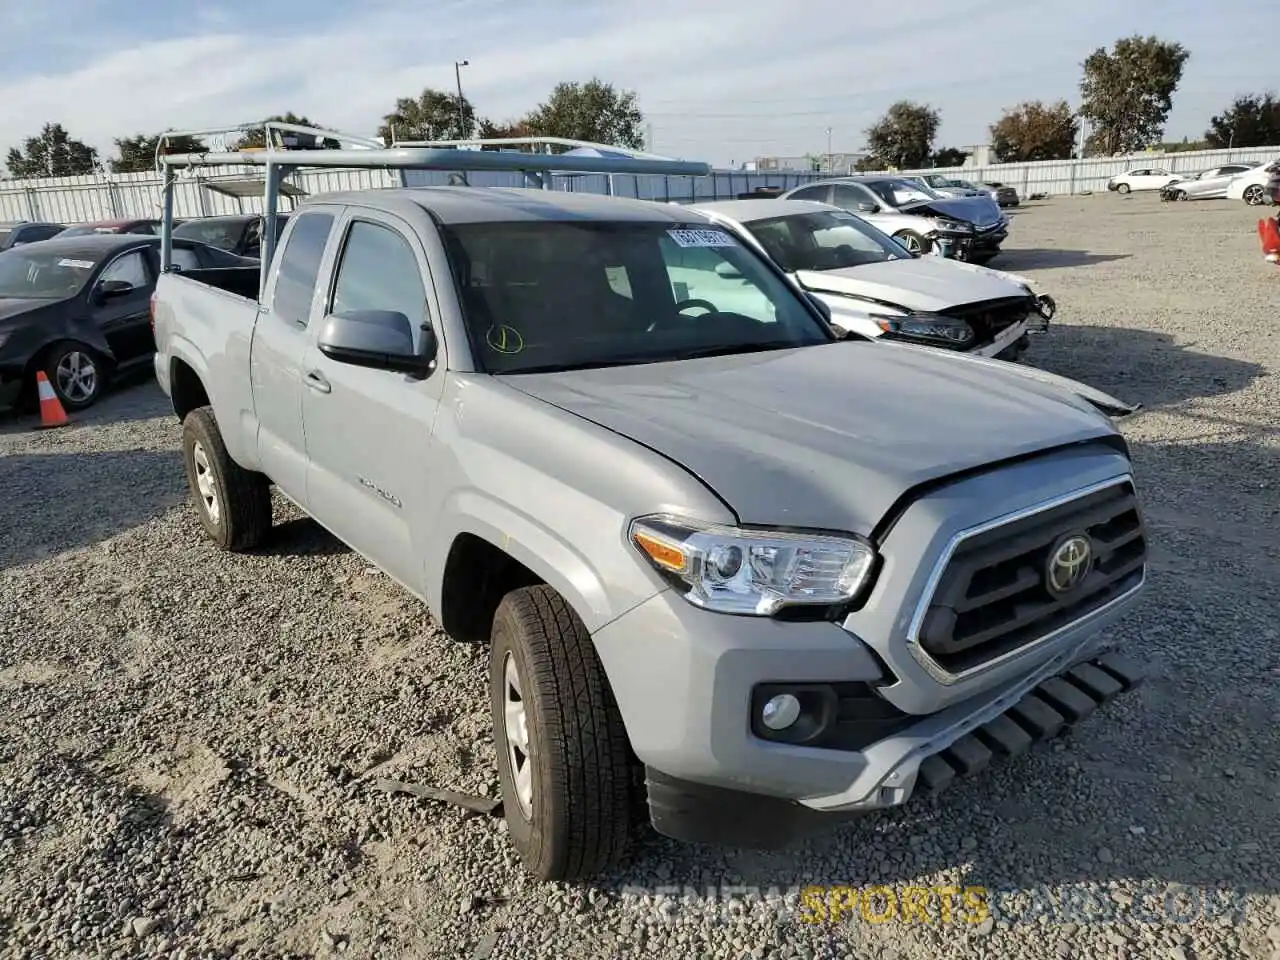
1208,184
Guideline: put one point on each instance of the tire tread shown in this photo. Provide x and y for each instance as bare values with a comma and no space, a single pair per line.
246,497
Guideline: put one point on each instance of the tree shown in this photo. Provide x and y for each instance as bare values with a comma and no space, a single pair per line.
52,153
903,137
138,153
492,130
948,157
1250,121
1035,131
257,139
594,111
433,115
1127,93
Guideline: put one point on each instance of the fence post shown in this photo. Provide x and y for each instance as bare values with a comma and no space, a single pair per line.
1071,184
113,202
33,209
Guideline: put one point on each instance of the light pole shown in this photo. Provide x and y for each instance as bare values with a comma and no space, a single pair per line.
830,159
462,110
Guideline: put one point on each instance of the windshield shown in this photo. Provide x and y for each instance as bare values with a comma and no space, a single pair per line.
25,272
555,295
826,240
898,193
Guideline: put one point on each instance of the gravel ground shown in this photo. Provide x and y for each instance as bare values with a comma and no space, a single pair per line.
187,738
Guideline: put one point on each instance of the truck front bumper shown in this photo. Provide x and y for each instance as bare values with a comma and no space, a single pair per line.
933,754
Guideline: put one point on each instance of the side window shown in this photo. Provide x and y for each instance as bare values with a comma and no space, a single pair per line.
379,272
847,196
700,273
812,193
184,258
299,267
130,268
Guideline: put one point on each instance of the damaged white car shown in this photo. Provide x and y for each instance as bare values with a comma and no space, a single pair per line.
876,287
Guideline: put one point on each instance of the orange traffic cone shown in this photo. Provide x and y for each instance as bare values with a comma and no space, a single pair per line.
51,412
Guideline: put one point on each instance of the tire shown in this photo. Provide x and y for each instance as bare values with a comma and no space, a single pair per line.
1180,195
983,258
77,374
1255,195
1122,188
912,241
571,818
234,504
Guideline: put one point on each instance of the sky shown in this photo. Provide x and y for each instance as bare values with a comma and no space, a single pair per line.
722,81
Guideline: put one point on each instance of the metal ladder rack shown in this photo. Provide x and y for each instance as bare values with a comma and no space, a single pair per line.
356,152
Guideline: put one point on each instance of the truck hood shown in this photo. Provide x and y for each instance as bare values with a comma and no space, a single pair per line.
921,283
980,211
827,436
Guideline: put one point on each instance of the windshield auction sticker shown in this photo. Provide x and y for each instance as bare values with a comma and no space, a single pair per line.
77,264
702,238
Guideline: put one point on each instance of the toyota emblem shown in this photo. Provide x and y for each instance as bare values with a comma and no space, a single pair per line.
1070,561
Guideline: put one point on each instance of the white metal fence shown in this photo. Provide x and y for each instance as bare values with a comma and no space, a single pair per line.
89,198
1055,177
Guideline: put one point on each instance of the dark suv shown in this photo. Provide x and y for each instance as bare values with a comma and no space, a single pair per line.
16,233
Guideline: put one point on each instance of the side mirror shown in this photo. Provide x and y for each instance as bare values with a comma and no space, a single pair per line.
111,289
727,271
381,339
821,305
867,207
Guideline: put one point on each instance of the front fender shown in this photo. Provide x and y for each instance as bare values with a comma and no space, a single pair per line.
553,559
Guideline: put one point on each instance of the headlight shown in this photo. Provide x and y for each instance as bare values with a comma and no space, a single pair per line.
926,327
954,226
756,572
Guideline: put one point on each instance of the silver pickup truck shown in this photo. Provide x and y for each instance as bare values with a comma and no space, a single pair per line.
766,576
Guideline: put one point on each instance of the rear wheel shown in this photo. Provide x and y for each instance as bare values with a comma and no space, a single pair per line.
76,374
563,759
1255,195
1123,188
913,241
234,504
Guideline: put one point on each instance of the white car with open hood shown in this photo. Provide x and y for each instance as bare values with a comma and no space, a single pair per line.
876,287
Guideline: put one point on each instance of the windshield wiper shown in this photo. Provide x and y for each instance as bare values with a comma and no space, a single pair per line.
723,351
579,365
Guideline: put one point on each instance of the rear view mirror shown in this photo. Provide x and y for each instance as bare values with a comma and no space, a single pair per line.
866,207
381,339
821,305
110,289
728,271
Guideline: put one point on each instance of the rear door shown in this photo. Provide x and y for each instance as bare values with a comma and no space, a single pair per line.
125,319
279,343
369,431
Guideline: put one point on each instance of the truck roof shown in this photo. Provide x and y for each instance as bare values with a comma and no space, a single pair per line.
512,204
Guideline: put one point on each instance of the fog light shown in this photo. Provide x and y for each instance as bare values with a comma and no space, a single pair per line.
780,712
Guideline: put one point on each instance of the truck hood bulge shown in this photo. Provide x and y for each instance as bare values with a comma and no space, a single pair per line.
828,436
920,284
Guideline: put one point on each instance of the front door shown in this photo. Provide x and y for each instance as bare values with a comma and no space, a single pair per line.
125,319
275,360
369,431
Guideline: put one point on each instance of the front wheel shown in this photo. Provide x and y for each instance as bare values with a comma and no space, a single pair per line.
913,241
1179,195
234,504
76,374
563,760
1123,188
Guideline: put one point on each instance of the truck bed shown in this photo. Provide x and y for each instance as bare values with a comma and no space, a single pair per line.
241,281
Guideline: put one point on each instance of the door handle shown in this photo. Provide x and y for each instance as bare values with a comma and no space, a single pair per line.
317,382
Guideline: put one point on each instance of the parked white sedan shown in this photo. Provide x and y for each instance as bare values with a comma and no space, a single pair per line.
1251,186
1142,178
876,287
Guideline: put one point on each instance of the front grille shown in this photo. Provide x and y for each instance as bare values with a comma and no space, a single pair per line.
990,318
993,598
